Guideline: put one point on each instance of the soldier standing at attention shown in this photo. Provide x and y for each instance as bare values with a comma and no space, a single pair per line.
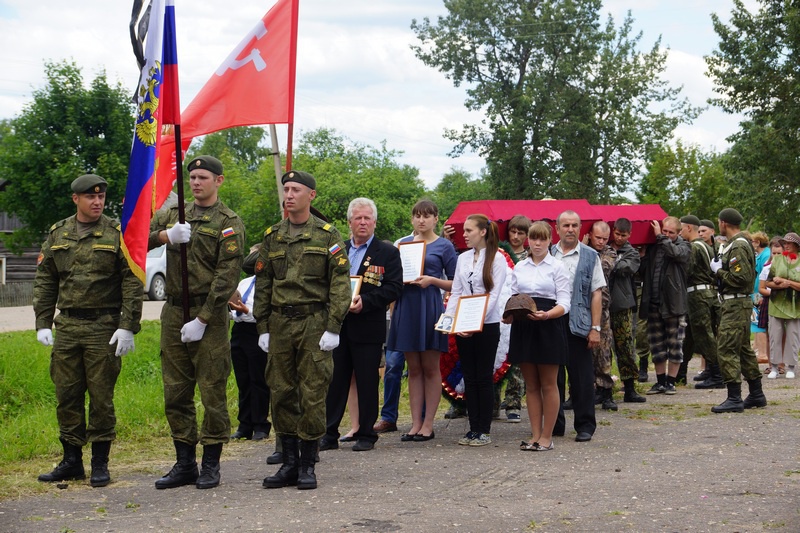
302,296
82,270
197,354
735,272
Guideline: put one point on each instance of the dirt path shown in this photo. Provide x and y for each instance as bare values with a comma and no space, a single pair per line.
667,465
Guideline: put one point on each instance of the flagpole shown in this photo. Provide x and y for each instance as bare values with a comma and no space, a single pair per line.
276,160
182,219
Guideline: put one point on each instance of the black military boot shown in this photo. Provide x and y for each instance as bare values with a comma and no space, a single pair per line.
70,467
608,400
702,376
714,380
643,362
184,472
100,476
287,474
734,403
277,456
599,395
631,396
308,451
209,467
756,397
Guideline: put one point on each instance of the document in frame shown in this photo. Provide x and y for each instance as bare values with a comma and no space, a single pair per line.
470,313
412,256
355,286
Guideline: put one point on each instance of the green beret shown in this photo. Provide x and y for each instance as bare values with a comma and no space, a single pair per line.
690,219
89,184
206,162
300,177
707,223
731,216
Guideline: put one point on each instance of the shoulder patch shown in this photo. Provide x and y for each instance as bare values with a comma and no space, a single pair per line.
58,224
326,227
40,259
227,232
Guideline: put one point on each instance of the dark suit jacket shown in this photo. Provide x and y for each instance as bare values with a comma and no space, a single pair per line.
381,264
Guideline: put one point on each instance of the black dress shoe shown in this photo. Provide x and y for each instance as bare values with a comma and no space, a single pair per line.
582,436
260,435
326,444
346,438
419,437
241,434
406,437
363,446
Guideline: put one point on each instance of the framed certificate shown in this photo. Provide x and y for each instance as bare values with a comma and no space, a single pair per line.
445,323
412,256
355,286
470,313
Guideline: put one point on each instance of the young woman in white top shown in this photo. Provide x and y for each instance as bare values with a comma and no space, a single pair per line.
480,270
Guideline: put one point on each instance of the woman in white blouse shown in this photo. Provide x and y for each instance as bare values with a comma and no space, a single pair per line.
539,344
480,270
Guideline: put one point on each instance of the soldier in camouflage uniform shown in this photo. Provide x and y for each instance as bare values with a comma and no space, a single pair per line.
83,271
703,310
735,272
302,296
197,354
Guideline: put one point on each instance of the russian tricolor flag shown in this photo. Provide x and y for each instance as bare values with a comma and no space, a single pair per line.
158,103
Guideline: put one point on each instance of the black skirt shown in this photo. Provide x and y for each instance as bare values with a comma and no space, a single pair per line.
542,342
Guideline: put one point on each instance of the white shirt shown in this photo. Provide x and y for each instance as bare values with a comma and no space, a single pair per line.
548,279
242,288
469,281
570,260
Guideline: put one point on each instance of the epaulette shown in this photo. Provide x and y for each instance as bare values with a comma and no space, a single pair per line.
58,224
271,229
227,211
327,226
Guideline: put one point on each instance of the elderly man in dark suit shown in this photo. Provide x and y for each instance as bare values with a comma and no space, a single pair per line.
364,327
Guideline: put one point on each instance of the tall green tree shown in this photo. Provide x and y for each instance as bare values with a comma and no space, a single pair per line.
67,130
755,70
571,106
459,186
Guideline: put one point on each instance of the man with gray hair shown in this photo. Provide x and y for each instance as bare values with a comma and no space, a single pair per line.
364,327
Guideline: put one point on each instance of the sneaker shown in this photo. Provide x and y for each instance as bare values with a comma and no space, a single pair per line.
512,415
657,388
481,440
467,439
669,388
774,374
789,374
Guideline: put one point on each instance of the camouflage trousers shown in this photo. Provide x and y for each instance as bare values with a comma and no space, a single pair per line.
82,361
703,318
601,355
624,343
736,356
515,390
642,344
298,374
205,365
665,334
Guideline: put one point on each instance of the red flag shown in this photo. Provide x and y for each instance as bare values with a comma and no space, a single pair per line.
255,84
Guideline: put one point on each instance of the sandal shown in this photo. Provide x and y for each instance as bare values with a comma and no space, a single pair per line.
529,446
540,448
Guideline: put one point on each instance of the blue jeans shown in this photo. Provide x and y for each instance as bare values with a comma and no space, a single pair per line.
392,377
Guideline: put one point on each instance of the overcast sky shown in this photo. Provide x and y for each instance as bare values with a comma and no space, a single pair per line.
355,71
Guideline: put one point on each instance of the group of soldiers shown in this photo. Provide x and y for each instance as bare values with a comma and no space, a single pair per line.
302,274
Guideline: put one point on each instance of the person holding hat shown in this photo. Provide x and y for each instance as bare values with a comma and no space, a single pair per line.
783,281
83,271
197,354
703,307
735,272
302,296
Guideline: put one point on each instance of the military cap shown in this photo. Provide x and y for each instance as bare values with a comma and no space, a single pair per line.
89,184
206,162
707,223
790,237
300,177
731,216
690,219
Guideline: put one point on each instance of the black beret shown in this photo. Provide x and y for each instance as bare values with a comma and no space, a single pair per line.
731,216
206,162
300,177
89,184
707,223
690,219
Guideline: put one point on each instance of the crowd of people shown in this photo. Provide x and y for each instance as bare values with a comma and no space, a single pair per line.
304,347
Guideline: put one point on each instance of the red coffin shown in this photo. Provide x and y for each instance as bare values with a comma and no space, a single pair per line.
640,215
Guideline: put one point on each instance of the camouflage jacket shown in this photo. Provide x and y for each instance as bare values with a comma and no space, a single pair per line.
738,270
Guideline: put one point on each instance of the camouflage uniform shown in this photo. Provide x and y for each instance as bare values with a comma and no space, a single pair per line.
214,261
601,354
623,304
302,291
736,277
88,278
704,308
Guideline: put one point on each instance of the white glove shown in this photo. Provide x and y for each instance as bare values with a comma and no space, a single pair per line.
263,341
329,341
179,233
124,340
45,336
193,331
716,264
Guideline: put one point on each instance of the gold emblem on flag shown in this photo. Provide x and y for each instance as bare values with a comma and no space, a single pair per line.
146,125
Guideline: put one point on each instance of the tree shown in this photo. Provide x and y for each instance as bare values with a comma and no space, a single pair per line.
458,186
754,70
569,105
67,130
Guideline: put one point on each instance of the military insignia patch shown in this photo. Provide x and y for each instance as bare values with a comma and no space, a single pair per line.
227,232
231,247
335,249
342,261
39,259
259,265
